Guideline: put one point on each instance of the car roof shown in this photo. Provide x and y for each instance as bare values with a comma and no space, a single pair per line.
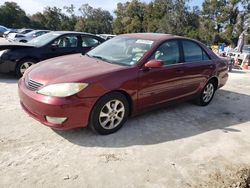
72,32
24,29
34,31
40,30
152,36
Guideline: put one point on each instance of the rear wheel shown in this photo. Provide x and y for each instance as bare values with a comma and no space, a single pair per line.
109,113
23,66
207,94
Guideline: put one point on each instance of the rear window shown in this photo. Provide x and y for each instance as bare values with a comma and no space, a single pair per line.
193,52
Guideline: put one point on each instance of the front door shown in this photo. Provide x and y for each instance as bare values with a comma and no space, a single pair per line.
158,85
64,45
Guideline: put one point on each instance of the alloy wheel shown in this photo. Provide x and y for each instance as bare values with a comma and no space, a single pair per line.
208,92
25,66
112,114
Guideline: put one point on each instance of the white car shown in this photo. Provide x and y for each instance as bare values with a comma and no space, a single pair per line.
16,37
106,36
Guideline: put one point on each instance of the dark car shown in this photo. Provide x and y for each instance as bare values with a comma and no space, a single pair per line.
18,57
121,77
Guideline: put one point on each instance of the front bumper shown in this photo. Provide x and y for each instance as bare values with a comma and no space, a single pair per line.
77,110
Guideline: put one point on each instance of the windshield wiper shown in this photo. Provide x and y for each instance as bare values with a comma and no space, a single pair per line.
100,57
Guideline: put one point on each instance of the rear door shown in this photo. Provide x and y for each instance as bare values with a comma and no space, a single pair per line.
199,67
158,85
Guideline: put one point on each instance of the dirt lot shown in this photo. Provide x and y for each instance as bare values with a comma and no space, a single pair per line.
181,145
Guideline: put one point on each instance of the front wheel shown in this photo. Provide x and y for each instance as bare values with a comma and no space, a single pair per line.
23,66
207,94
109,113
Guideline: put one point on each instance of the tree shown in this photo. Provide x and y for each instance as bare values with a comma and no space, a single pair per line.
95,20
69,21
38,21
193,23
118,24
213,10
11,15
217,21
80,24
53,17
130,17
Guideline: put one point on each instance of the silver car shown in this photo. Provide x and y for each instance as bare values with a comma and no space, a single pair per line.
16,37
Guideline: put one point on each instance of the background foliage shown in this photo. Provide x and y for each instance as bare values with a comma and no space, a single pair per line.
217,20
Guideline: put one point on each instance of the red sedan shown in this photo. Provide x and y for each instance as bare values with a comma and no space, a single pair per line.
123,76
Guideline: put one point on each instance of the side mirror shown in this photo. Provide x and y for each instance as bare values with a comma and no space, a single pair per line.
54,46
154,63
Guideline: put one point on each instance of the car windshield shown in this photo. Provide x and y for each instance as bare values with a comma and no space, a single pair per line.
43,39
121,50
30,33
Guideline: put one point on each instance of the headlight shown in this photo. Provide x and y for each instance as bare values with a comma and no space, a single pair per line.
2,52
62,89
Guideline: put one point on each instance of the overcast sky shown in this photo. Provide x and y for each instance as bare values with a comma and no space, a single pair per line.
33,6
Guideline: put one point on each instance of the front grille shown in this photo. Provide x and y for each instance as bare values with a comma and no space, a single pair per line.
33,85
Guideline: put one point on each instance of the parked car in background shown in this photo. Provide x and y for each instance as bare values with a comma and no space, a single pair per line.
121,77
20,31
240,56
18,37
246,49
2,30
106,36
15,31
18,57
24,31
6,33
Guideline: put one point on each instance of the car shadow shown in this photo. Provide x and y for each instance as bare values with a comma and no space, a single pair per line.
8,78
171,123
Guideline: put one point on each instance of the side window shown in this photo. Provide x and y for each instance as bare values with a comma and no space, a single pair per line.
89,42
39,33
193,52
67,41
205,56
168,52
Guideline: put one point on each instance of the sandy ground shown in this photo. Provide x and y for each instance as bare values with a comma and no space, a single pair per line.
181,145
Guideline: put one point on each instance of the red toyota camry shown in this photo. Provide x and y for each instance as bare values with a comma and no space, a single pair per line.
123,76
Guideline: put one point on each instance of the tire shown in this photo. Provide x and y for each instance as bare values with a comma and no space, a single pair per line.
23,65
207,94
104,120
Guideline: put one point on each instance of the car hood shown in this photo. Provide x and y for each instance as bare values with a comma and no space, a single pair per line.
71,68
15,45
